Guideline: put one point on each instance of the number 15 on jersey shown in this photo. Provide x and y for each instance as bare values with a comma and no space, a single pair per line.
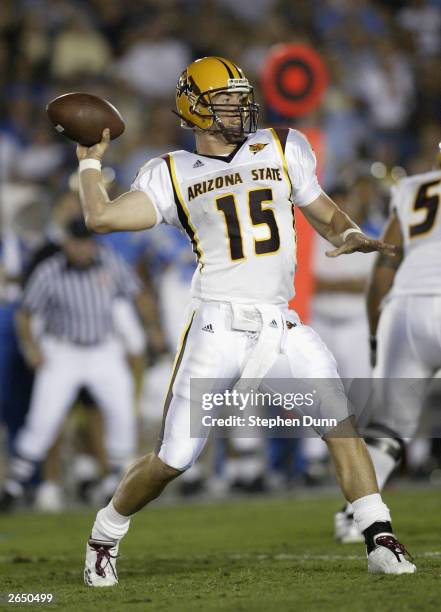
260,213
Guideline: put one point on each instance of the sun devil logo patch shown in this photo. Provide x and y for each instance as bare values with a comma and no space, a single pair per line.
255,148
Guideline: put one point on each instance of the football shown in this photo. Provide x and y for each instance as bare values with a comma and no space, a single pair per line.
82,117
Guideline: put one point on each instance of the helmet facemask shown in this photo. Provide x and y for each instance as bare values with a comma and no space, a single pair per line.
246,111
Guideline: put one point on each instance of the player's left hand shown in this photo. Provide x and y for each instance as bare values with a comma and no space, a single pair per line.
363,244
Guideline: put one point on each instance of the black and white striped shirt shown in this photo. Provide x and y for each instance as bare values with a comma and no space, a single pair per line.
75,304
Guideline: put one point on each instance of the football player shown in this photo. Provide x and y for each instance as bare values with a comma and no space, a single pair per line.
404,311
233,197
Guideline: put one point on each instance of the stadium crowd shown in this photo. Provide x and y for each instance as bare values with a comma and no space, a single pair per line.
381,119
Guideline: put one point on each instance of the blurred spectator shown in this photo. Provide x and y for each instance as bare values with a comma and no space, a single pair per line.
387,88
423,20
158,134
344,130
428,109
42,157
79,49
429,137
154,59
250,11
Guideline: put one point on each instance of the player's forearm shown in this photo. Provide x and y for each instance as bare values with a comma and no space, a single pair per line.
383,273
339,227
131,211
329,220
94,199
373,302
379,285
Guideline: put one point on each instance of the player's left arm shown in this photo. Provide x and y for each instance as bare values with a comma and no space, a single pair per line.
322,212
337,227
383,272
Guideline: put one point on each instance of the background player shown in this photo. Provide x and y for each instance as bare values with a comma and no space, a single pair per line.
234,198
404,311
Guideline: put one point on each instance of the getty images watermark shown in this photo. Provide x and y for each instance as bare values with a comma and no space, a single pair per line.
294,408
248,402
265,408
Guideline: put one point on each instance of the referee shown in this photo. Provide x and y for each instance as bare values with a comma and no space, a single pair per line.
73,293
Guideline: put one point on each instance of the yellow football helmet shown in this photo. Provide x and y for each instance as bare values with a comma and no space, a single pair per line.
194,98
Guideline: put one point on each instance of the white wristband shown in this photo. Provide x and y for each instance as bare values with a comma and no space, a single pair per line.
90,164
351,230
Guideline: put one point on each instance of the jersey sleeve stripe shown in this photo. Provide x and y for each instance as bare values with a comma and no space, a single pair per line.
282,135
281,148
183,213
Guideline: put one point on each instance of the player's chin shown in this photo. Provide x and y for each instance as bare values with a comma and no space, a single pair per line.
233,136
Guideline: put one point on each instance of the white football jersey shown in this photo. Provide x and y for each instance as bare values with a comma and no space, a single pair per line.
237,212
416,200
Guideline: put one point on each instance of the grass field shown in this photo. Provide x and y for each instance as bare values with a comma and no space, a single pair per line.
247,555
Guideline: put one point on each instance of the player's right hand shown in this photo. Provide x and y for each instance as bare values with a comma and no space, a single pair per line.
96,151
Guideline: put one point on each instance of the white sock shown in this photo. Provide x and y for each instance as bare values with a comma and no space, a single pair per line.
384,465
110,524
369,509
349,509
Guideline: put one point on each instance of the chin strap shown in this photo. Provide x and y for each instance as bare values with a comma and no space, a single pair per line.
185,123
231,138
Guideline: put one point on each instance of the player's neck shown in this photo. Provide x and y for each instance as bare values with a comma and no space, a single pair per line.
213,144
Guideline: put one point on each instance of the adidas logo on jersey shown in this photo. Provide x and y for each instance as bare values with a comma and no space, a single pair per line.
273,323
198,163
208,328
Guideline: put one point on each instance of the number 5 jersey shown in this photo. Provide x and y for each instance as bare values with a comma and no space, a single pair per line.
238,212
416,200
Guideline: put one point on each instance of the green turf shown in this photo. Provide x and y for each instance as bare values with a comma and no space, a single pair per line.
252,555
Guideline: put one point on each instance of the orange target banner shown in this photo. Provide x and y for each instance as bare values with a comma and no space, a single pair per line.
294,79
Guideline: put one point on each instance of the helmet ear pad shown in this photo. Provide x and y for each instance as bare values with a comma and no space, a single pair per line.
202,114
190,104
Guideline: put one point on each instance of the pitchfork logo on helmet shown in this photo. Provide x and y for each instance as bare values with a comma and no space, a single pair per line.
197,91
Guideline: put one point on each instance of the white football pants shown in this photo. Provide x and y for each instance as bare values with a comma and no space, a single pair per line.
67,367
211,349
409,347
